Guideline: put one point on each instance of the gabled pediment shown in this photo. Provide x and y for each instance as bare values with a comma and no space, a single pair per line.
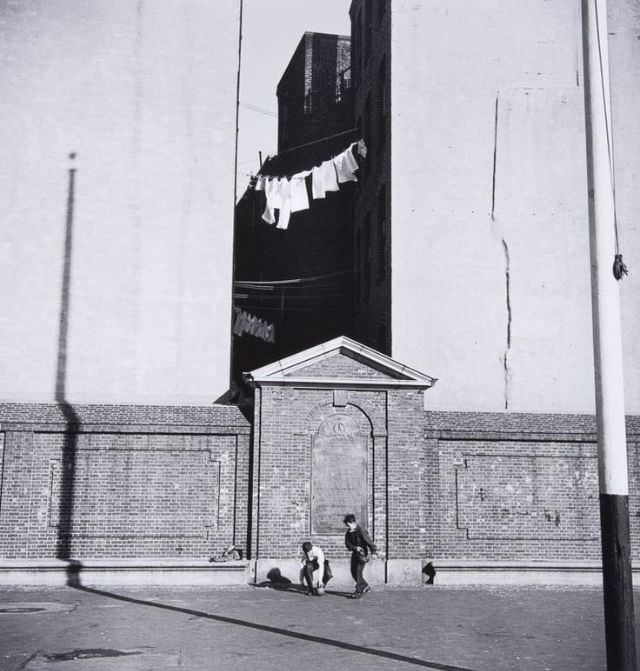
338,362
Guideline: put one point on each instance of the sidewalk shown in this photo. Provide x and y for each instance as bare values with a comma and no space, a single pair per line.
262,629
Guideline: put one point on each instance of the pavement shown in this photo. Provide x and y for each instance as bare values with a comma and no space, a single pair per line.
265,629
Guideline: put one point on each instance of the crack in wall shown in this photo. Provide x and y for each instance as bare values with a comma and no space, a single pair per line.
505,357
505,248
495,156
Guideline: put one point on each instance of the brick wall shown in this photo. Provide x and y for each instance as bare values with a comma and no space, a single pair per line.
456,486
122,481
288,423
406,447
142,481
501,487
342,367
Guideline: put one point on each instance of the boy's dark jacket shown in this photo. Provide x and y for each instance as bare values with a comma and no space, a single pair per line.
359,537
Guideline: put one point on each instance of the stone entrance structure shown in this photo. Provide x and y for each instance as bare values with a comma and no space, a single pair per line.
338,428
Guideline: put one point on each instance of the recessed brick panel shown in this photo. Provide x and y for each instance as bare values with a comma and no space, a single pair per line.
108,488
501,496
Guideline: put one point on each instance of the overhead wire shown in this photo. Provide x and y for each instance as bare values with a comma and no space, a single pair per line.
322,139
256,108
297,280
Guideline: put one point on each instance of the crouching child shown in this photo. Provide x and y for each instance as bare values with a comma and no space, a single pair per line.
312,568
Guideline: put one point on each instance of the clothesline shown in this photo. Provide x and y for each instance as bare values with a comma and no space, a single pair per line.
289,194
322,139
362,151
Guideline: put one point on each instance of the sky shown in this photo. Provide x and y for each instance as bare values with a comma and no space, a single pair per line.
271,30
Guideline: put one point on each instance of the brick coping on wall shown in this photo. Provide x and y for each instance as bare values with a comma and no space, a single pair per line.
136,418
501,425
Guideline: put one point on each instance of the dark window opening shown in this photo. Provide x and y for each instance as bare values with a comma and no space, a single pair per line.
368,32
382,338
358,272
356,48
367,254
366,131
382,103
343,83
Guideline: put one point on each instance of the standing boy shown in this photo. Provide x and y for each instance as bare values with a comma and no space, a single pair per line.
359,542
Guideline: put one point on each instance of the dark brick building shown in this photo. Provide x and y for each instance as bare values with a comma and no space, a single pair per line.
315,95
371,46
300,280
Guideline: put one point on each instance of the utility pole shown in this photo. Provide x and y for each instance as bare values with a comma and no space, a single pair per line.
607,346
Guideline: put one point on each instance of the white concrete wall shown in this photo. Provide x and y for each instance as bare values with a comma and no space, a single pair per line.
452,231
144,92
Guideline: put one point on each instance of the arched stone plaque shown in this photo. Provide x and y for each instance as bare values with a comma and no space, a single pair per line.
338,474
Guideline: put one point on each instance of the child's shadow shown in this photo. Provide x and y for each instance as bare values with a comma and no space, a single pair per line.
275,580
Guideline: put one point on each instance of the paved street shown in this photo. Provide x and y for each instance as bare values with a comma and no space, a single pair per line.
441,628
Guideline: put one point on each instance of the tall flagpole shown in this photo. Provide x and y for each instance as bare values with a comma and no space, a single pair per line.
607,346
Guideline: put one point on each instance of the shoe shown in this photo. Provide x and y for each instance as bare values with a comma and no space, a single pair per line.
366,589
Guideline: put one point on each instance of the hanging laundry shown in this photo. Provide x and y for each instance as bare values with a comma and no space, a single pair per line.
346,166
299,195
278,193
287,195
281,192
283,215
324,179
268,215
350,161
281,200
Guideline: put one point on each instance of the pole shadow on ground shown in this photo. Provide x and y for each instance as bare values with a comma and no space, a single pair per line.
309,638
